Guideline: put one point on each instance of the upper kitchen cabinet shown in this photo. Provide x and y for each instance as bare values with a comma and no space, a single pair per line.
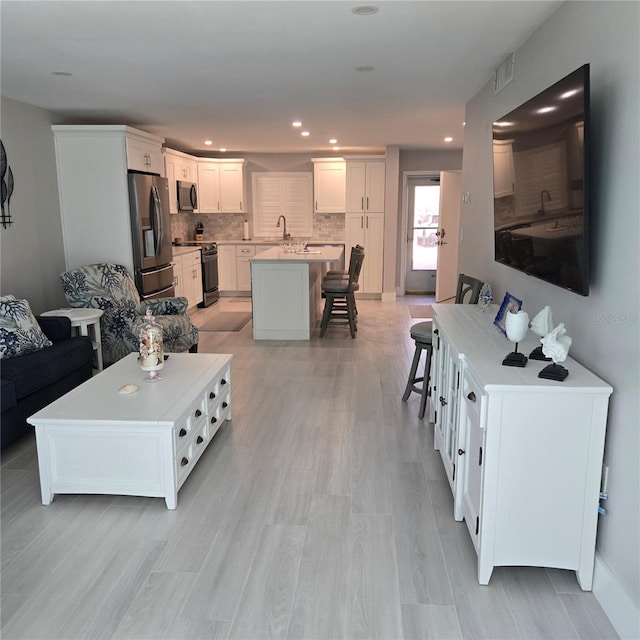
179,166
365,185
504,176
221,185
144,152
329,185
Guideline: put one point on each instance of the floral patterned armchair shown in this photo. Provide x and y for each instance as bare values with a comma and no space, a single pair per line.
109,287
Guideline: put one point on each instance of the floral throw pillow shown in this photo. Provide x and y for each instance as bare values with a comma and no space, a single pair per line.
19,330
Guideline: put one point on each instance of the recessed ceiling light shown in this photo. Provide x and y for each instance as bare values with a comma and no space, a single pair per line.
448,139
364,10
208,142
296,123
333,141
61,73
546,109
304,133
364,68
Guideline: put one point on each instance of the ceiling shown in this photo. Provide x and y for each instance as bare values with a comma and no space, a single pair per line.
238,73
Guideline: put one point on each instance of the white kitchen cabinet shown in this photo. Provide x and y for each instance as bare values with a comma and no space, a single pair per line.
187,276
365,181
179,166
178,287
527,451
329,185
504,175
227,268
221,185
144,153
367,230
243,268
192,277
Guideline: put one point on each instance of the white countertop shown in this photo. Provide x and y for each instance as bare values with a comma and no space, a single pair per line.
278,241
276,254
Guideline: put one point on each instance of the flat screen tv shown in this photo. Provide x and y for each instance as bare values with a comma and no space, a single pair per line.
541,185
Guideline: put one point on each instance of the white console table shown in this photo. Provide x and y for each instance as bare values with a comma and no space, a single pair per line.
523,455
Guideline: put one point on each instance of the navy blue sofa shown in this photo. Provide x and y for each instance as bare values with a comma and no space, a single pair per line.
34,380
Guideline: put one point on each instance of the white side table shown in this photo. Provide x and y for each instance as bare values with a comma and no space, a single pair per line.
83,320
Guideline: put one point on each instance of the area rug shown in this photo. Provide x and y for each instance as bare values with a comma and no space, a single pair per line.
420,310
227,321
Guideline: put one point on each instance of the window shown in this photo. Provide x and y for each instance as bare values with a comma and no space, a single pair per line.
282,194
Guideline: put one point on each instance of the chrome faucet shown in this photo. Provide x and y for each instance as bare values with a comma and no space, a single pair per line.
542,201
285,235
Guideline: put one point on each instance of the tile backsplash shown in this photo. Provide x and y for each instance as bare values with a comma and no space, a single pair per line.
229,226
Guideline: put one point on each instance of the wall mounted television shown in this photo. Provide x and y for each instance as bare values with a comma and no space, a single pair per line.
541,185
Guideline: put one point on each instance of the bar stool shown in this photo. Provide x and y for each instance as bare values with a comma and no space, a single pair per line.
421,334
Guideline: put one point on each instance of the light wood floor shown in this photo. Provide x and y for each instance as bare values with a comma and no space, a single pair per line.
322,512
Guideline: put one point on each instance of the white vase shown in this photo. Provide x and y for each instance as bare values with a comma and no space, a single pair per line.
517,325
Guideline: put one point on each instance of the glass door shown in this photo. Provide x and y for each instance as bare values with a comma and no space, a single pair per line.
423,221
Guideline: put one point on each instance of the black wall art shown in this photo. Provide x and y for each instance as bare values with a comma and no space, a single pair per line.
6,176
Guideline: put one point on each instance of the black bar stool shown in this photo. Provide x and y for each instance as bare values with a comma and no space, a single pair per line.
421,334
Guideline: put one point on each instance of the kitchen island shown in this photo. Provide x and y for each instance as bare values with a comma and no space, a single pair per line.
285,291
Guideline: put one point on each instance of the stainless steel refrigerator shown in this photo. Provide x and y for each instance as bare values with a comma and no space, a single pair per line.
151,235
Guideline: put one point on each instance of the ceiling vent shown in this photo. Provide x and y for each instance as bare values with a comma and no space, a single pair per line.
504,74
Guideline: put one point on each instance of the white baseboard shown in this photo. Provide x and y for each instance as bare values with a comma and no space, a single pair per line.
617,605
388,296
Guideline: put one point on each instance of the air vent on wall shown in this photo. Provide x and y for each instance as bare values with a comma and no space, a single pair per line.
504,74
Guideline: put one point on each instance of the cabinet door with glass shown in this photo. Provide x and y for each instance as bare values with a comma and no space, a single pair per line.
447,371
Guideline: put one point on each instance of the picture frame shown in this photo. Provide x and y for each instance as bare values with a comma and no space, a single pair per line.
509,303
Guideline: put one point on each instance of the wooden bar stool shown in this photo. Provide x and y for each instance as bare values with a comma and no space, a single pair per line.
421,334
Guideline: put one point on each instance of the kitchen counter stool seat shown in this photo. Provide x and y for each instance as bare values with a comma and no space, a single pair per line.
339,293
421,334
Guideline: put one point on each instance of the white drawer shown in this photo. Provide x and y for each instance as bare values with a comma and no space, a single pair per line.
217,388
219,413
189,423
245,250
186,459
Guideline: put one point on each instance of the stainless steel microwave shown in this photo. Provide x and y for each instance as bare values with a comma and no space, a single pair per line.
187,196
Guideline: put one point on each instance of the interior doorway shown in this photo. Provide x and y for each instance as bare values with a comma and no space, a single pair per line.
423,217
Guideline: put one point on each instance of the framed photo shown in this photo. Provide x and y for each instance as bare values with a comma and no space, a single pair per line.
509,303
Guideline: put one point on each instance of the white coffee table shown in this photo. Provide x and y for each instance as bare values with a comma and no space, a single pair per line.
84,320
97,440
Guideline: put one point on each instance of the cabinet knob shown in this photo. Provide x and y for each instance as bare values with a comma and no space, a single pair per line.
223,381
198,413
212,396
460,452
224,405
184,462
436,332
182,433
199,439
443,402
471,396
214,419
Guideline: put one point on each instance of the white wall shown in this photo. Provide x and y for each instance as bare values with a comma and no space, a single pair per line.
604,325
32,255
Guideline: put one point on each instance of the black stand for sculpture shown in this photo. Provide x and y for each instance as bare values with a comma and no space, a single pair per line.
538,354
515,359
554,372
